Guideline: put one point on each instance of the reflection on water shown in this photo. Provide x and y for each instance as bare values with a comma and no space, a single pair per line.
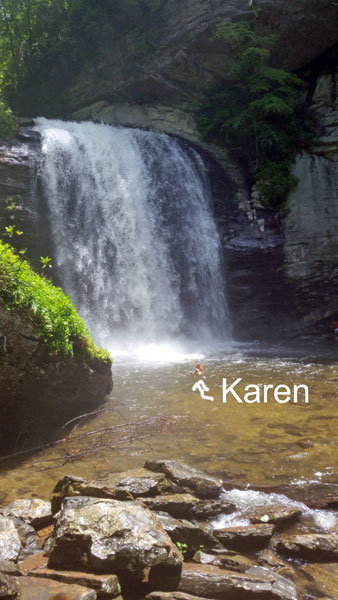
258,443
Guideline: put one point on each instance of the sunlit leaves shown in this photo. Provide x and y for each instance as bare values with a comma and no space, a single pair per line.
55,319
256,110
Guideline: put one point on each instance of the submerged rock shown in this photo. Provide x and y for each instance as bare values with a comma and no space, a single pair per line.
202,484
110,535
268,558
320,579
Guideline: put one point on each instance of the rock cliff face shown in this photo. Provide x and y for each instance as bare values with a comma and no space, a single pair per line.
269,257
41,391
311,226
281,269
164,64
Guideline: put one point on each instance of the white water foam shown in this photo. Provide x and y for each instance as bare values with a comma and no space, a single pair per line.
248,500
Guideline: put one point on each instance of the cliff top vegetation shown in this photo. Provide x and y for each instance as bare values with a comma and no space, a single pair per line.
54,318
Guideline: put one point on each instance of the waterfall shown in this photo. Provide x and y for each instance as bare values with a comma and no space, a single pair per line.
135,243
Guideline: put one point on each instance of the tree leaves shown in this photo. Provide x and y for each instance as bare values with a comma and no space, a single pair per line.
256,109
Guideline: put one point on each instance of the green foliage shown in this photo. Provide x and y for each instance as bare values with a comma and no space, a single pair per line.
44,43
55,320
8,125
183,548
256,112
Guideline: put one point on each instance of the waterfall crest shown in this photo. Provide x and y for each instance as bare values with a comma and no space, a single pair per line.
135,243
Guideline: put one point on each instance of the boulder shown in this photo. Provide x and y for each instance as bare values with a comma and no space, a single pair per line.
205,509
35,512
106,586
36,588
70,485
184,532
9,588
10,544
188,506
202,484
212,582
42,390
112,536
177,505
273,514
120,486
245,537
310,546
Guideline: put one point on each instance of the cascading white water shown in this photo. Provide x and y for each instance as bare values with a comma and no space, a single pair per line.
135,243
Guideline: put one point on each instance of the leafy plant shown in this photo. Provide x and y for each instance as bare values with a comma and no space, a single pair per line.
8,124
183,548
256,111
54,318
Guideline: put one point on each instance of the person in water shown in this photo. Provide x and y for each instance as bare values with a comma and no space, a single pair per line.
335,327
198,369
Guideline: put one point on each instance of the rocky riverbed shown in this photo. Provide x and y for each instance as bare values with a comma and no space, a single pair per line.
167,532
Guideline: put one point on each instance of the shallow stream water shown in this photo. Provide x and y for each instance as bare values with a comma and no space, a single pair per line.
264,444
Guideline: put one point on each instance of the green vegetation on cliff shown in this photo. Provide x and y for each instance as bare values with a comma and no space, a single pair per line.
56,321
43,43
257,112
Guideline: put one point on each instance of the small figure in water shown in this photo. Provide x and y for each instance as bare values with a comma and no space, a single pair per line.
335,328
198,369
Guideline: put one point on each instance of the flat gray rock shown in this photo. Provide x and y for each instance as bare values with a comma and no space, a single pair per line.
106,586
310,546
245,537
35,512
208,581
120,486
273,514
202,484
109,535
230,560
10,544
179,506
